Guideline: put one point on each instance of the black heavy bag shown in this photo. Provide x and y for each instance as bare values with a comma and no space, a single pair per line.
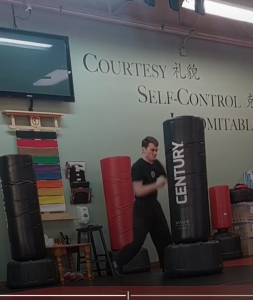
16,169
21,203
184,140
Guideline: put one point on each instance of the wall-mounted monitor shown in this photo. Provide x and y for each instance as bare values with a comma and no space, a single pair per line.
35,66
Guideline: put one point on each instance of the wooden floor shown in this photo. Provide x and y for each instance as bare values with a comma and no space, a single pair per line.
236,282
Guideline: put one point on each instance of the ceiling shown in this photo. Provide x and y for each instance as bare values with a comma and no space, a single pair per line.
160,16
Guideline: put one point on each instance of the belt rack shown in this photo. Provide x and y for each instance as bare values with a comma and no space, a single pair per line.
36,125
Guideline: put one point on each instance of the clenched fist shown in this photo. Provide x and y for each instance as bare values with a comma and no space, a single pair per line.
160,182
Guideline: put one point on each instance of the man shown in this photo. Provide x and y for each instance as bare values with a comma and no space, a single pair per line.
148,175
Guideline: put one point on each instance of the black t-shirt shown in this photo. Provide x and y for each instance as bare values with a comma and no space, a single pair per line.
147,173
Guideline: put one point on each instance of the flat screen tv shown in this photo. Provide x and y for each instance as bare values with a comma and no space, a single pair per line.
35,66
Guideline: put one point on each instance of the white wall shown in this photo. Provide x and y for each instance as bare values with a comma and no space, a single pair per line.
109,117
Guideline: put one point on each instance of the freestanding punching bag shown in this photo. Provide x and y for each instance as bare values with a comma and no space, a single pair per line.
29,267
119,199
184,139
222,220
22,208
192,253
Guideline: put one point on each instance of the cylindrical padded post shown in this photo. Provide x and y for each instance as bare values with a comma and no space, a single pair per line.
184,140
220,207
22,208
119,198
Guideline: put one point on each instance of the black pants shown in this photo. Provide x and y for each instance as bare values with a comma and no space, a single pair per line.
148,217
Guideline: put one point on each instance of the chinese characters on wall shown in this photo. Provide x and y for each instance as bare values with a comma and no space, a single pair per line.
191,72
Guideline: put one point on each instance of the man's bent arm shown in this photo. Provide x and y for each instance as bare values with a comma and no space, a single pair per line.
141,190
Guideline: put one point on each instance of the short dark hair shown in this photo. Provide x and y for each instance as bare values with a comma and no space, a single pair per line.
149,140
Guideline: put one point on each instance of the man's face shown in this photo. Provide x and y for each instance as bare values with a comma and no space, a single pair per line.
151,152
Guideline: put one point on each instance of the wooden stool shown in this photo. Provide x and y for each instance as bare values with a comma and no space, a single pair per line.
89,232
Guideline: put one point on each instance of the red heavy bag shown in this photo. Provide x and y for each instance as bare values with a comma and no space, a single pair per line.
119,199
220,207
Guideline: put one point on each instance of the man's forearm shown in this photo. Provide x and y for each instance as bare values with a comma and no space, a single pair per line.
145,190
